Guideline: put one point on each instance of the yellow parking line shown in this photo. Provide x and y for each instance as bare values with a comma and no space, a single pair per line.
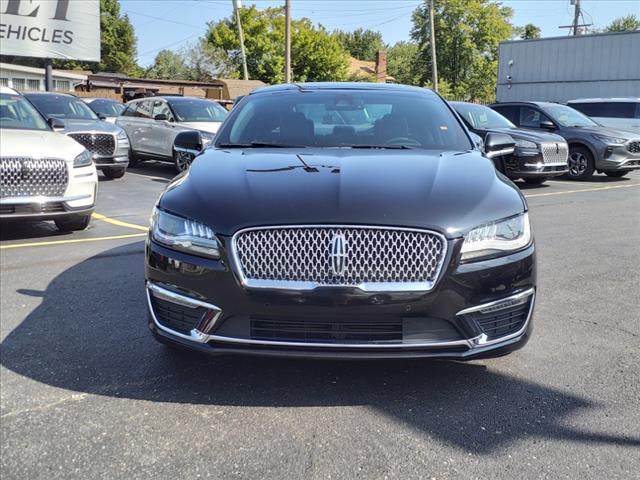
567,192
75,240
120,223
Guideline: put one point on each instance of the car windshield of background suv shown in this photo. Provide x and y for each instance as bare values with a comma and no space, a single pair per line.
108,108
346,119
198,111
482,117
569,117
18,113
63,107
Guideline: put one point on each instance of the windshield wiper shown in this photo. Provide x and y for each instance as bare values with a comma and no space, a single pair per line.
258,145
393,147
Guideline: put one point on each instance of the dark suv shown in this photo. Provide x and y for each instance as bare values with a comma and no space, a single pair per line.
592,147
537,156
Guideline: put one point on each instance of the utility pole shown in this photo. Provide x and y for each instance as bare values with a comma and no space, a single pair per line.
236,7
48,75
432,41
287,41
576,17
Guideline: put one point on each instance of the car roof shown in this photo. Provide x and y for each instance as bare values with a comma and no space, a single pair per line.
315,86
468,103
48,94
539,104
605,100
178,98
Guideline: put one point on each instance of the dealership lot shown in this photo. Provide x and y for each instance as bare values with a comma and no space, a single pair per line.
87,393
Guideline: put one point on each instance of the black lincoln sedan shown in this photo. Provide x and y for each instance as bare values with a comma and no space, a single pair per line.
342,220
538,156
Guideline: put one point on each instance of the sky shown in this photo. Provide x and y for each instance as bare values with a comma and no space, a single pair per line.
173,24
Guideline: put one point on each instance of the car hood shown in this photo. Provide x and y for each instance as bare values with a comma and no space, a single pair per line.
38,144
450,192
530,135
79,125
211,127
611,132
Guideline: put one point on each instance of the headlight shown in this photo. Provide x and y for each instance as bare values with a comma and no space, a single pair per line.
184,235
122,137
524,143
494,238
609,140
83,160
207,138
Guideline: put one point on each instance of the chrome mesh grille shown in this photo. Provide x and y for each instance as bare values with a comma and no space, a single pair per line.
101,144
306,257
633,147
30,177
555,152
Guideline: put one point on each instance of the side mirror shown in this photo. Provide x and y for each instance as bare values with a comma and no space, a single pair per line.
498,144
102,116
477,141
547,125
161,116
189,141
56,124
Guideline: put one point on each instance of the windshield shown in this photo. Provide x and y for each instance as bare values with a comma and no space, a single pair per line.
481,117
62,106
16,112
344,118
108,108
569,117
198,111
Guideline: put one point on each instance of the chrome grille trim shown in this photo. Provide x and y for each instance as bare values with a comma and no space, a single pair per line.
99,144
296,257
33,177
553,155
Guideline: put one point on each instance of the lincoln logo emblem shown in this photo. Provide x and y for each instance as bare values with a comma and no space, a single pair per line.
557,148
338,254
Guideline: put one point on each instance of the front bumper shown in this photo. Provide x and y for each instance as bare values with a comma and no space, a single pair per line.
616,157
213,313
111,162
79,198
529,163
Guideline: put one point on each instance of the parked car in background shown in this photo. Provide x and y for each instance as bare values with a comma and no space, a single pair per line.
537,156
622,113
153,123
108,143
107,109
44,175
592,147
316,227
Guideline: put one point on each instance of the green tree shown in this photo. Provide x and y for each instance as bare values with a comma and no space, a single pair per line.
168,65
361,44
401,60
468,33
528,32
627,23
315,54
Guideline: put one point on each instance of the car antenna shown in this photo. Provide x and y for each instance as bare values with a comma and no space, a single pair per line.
307,167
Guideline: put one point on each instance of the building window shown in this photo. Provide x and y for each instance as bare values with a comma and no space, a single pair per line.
33,83
62,85
4,82
18,83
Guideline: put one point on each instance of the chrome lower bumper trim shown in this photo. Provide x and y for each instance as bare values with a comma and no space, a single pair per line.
41,200
198,336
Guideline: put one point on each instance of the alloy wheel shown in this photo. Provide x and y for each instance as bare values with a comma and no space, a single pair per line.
577,164
182,160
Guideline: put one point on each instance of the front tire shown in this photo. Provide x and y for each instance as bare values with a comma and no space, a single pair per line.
113,173
581,164
616,173
73,223
534,181
182,161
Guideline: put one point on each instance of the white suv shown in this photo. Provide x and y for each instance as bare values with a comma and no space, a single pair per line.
44,175
621,113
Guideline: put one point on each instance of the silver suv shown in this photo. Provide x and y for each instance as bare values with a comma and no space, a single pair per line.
622,113
153,123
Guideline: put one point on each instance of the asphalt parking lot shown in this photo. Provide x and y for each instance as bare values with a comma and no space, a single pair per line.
87,393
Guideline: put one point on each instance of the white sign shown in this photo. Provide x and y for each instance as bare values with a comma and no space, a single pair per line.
66,29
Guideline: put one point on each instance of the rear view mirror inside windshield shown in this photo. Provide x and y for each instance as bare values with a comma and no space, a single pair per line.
345,102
